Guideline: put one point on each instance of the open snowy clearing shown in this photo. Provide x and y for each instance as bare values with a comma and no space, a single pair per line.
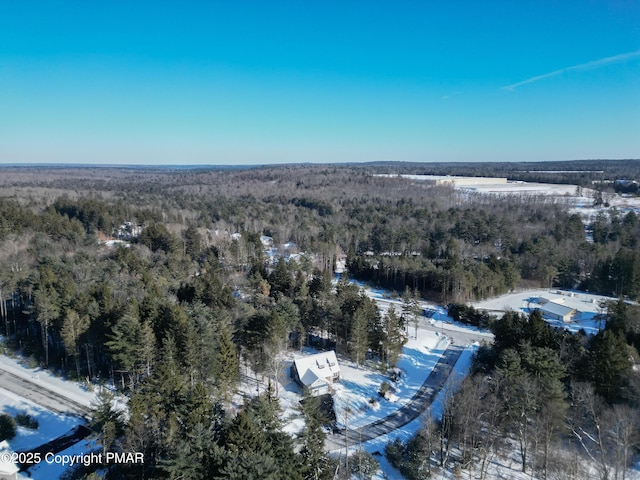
376,446
526,301
578,196
48,471
51,425
356,398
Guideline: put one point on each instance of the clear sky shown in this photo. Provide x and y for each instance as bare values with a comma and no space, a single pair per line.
237,82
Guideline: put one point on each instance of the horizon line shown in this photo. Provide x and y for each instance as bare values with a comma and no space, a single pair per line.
178,166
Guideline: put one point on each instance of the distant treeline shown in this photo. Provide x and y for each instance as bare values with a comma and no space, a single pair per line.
586,173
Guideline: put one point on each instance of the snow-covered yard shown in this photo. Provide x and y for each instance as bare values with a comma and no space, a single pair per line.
376,446
356,397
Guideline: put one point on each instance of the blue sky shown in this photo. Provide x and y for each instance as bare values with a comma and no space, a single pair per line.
241,82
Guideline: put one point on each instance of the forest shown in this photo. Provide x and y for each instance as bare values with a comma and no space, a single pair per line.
553,397
158,281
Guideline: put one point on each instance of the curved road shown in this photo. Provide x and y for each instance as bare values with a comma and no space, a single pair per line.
405,414
41,395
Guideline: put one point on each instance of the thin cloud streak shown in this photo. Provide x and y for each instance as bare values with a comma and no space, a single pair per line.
447,97
583,66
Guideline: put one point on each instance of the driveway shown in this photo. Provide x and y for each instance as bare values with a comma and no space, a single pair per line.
405,414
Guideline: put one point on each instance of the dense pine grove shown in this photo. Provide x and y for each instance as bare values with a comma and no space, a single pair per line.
183,308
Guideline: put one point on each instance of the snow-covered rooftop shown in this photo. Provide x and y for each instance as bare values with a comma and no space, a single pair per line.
556,309
314,369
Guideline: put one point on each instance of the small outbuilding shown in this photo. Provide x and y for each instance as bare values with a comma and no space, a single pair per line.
316,373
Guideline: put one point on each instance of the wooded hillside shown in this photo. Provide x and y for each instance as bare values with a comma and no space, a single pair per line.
190,296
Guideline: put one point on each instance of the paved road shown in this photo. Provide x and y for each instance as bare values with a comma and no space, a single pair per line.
405,414
41,395
458,335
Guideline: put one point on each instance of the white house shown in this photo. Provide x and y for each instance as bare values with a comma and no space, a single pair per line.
316,372
8,469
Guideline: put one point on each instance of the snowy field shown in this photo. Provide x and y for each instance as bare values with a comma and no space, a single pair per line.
526,188
579,199
581,204
51,425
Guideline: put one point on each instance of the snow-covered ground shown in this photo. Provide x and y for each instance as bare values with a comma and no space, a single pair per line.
356,398
526,301
529,188
366,382
358,385
578,200
622,204
73,390
50,424
503,468
376,446
59,464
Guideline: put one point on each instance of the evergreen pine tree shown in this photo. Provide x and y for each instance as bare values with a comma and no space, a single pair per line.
244,435
123,344
249,466
73,327
106,420
394,337
47,309
146,350
315,463
226,367
607,361
359,336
